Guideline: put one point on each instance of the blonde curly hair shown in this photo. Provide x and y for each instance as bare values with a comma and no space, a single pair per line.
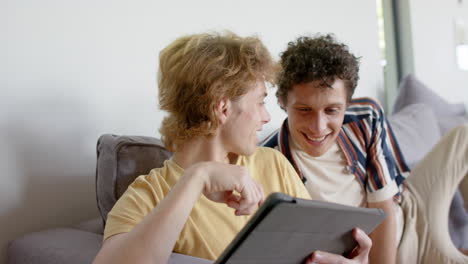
197,71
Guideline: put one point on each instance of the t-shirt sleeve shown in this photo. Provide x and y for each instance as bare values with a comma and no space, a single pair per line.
139,200
384,193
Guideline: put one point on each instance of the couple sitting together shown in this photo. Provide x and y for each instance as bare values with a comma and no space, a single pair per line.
332,147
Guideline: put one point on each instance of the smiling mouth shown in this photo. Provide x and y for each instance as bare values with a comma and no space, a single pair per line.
315,141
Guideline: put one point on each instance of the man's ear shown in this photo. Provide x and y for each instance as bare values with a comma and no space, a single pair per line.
223,109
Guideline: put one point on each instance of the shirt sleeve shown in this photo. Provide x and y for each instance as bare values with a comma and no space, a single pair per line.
139,200
385,193
380,167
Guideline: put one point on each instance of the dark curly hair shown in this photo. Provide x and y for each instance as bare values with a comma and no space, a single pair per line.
316,58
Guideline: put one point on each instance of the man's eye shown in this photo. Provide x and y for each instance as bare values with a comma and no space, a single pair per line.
262,103
303,109
332,111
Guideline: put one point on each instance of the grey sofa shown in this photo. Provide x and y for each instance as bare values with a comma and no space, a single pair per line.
420,118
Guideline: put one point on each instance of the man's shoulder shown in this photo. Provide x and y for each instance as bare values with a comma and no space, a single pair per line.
264,156
364,103
363,108
166,175
262,152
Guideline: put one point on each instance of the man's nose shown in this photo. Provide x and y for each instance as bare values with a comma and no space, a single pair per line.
317,124
265,116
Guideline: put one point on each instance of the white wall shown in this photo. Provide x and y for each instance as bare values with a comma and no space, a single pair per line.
433,46
73,70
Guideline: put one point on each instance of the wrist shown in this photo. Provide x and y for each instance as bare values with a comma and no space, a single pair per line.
198,175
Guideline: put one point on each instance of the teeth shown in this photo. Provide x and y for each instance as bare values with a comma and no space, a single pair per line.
316,139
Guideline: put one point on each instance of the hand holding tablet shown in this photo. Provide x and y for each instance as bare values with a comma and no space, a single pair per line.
287,230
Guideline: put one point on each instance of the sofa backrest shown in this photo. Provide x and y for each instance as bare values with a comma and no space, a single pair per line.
120,159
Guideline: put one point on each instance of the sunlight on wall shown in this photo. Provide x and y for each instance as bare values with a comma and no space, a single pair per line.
462,57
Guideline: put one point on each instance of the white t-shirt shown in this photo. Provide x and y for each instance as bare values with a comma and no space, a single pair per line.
329,180
327,177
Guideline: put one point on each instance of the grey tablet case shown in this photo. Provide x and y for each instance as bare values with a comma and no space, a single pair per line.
285,230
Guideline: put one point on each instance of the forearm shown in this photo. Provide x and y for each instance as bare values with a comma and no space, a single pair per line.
153,239
384,245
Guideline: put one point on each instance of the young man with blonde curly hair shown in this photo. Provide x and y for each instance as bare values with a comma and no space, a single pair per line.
213,88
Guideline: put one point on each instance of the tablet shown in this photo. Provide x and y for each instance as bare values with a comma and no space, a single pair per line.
287,230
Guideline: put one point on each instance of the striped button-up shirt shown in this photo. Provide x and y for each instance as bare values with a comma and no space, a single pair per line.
368,143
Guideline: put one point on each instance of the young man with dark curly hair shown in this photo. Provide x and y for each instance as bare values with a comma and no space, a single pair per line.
344,151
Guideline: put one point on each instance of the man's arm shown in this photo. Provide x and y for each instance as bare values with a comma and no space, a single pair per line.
384,170
383,238
153,239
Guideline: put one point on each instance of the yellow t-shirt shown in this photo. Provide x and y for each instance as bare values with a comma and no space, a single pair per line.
211,226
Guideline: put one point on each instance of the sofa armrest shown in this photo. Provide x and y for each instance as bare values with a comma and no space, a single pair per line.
54,246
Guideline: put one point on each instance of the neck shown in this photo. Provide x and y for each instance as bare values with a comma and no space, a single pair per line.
202,149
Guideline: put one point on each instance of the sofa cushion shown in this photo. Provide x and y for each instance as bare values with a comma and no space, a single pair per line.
448,123
417,131
448,115
55,246
413,91
120,159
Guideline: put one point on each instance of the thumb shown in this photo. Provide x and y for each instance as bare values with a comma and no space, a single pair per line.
232,200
